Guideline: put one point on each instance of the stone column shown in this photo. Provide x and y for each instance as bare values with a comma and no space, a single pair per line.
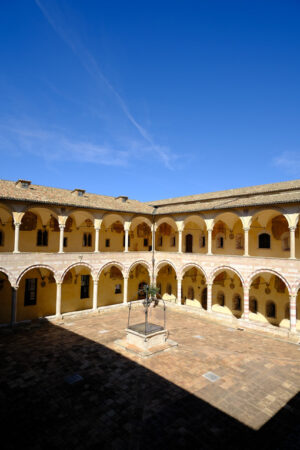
95,295
246,303
125,296
179,280
292,242
246,241
153,236
209,242
17,237
61,238
58,299
209,296
97,240
179,241
14,292
293,313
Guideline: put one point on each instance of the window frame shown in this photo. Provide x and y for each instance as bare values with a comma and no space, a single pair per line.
84,287
30,292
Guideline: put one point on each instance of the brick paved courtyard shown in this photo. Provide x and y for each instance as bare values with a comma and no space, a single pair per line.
124,402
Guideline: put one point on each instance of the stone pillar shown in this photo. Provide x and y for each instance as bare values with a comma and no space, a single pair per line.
179,280
17,237
153,280
292,242
246,241
209,296
61,238
58,299
126,241
246,303
125,297
95,295
293,313
97,240
209,242
14,292
179,241
153,236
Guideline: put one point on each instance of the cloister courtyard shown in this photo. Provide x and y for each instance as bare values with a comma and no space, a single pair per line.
121,401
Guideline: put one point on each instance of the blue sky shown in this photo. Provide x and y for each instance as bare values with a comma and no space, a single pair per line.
150,99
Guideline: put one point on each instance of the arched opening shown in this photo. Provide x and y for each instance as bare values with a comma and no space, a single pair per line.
36,294
140,235
110,286
189,243
77,289
228,235
269,234
112,234
271,297
79,232
5,299
194,235
193,285
6,231
138,277
166,239
227,293
166,278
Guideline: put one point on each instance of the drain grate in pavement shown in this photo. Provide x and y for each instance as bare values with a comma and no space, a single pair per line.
197,336
103,331
211,376
73,379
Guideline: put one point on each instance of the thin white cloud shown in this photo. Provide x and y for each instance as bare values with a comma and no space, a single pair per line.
289,162
90,64
55,146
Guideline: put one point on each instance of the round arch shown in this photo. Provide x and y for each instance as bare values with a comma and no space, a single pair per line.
272,272
9,276
169,220
270,214
79,215
196,218
110,264
163,263
109,218
138,220
81,263
189,266
35,266
142,262
219,269
43,212
229,218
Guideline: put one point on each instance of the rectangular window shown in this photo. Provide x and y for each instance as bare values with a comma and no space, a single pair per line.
118,289
85,286
42,238
202,241
173,241
1,238
107,242
146,242
87,240
65,242
30,291
160,241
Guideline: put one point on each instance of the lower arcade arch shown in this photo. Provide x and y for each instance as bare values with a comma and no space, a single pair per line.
36,294
167,283
194,289
227,293
269,300
77,289
5,299
110,286
138,277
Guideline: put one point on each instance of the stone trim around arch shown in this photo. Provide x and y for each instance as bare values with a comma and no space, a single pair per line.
36,266
162,263
109,264
10,278
294,288
143,263
251,277
80,263
189,266
215,271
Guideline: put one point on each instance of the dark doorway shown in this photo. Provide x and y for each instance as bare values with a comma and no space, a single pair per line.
141,293
189,243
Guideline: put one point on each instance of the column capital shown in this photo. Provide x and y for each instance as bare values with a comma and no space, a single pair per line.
59,283
61,226
246,228
292,228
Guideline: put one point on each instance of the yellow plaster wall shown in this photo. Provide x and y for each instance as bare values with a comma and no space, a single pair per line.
134,281
194,229
198,287
75,239
106,290
70,292
229,244
276,245
229,296
116,240
9,236
166,247
5,299
164,279
46,298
